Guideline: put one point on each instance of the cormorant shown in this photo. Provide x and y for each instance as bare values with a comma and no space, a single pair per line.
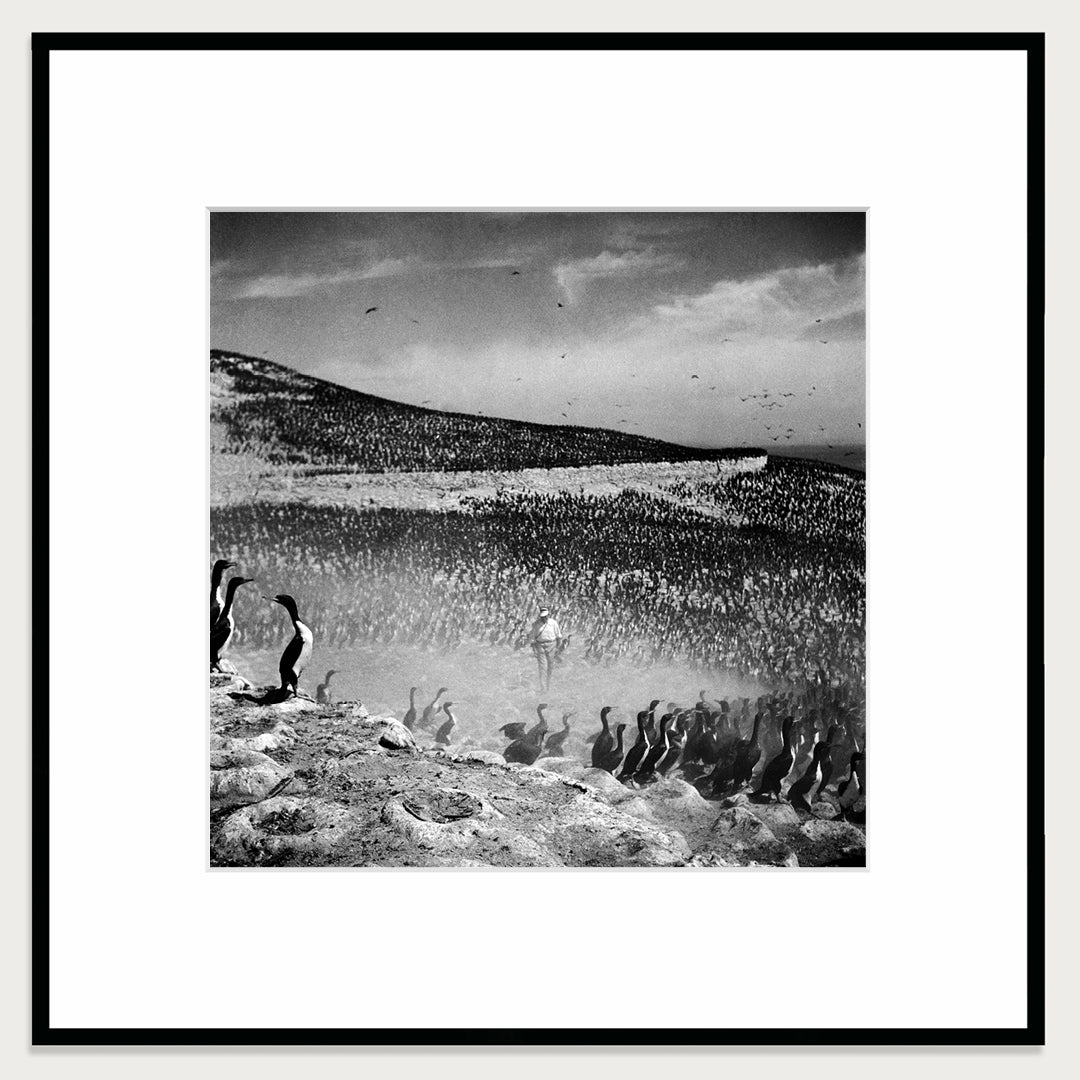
747,756
676,742
222,630
322,691
650,724
215,589
777,768
798,792
442,736
526,750
297,653
826,757
427,717
638,750
410,716
542,722
851,789
604,741
657,751
611,760
555,742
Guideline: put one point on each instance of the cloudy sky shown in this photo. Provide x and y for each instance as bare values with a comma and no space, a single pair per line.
750,303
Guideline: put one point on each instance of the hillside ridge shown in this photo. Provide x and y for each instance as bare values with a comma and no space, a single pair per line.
285,417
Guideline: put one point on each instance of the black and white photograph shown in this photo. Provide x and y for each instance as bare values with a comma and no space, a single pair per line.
537,539
518,393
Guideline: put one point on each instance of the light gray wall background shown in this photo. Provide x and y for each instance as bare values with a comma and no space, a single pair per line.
1062,523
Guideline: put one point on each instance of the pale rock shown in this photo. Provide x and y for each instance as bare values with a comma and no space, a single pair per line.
282,827
564,766
239,777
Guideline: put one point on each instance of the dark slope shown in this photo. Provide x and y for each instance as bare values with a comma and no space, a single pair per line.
287,418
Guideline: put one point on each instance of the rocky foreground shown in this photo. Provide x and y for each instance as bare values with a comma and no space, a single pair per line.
300,784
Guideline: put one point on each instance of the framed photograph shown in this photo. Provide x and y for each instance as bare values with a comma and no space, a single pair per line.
592,478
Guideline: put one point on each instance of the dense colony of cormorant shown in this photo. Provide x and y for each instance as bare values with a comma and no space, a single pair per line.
794,736
327,428
640,579
759,574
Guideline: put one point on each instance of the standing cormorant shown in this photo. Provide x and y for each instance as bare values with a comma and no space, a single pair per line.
650,725
427,717
298,652
826,758
410,716
777,768
638,750
542,722
222,630
555,742
322,691
676,742
603,742
746,757
613,758
442,736
215,589
798,792
725,743
647,768
850,790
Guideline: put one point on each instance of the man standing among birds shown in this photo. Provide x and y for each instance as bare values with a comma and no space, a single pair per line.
545,638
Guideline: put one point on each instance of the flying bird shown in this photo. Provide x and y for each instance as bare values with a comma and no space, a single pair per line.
417,321
693,376
817,320
515,273
558,304
370,310
823,342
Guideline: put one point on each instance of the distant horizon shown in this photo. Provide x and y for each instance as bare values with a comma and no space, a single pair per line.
696,328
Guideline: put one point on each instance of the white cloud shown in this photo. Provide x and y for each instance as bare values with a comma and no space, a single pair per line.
278,286
574,276
780,303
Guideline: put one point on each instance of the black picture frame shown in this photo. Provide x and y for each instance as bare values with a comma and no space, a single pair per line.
1033,1033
